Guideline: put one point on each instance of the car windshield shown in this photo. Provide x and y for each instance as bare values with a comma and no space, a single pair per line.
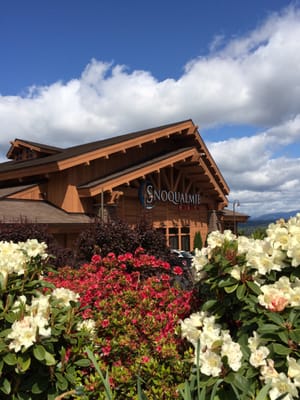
185,254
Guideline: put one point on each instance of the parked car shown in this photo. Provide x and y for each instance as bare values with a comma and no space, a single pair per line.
184,255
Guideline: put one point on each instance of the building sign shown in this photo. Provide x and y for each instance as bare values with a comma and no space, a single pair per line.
148,196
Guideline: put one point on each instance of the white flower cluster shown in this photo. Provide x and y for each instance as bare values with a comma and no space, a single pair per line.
280,382
65,295
88,325
211,343
34,323
15,256
270,254
283,293
26,331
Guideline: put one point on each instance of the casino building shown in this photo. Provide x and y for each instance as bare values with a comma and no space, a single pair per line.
165,175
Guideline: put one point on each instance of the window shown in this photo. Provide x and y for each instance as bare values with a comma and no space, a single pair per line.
177,238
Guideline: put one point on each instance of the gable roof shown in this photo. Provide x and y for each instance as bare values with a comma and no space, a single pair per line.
38,147
61,159
109,146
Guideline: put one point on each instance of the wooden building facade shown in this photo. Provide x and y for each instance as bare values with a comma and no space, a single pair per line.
164,174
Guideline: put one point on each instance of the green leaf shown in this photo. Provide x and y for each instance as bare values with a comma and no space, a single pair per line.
209,304
24,362
10,359
240,382
268,328
284,337
141,394
280,349
105,380
215,388
294,314
295,335
3,281
227,282
185,391
62,383
38,387
231,289
253,287
84,362
50,360
241,290
275,317
6,387
39,352
11,317
262,395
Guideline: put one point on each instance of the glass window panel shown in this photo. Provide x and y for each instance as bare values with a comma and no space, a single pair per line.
185,229
173,242
185,242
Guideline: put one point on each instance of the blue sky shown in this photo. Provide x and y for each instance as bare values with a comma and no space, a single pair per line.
74,71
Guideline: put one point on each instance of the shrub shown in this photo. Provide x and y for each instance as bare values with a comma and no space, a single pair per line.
24,230
152,240
198,241
246,336
137,308
119,238
41,343
104,237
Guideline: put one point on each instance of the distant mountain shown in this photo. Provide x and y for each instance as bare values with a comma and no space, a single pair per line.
263,221
275,216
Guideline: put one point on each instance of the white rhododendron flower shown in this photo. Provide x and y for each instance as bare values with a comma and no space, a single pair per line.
279,236
14,256
217,238
293,252
198,262
25,331
264,263
236,272
12,259
281,294
65,295
294,370
210,363
254,341
295,297
244,243
190,327
34,248
259,353
18,304
40,306
23,334
281,385
88,325
232,351
258,356
268,371
202,330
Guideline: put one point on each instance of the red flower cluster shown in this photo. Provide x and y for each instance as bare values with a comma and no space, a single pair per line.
136,308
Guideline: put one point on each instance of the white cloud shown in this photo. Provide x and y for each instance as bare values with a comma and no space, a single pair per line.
252,80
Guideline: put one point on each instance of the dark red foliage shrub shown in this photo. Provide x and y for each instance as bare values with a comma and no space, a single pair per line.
118,237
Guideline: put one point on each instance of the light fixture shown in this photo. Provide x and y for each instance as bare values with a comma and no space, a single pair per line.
235,204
